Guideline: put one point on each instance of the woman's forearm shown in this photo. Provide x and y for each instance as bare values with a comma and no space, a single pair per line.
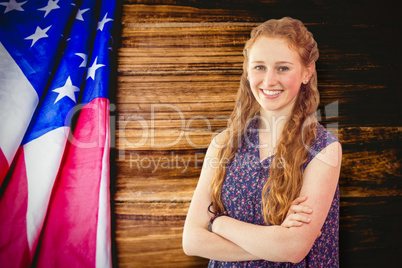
200,242
272,243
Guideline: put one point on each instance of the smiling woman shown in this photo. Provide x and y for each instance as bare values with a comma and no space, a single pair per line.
270,215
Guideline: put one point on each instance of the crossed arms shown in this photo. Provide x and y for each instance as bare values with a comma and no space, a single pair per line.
234,240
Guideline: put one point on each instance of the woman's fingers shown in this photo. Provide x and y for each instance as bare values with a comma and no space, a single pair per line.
299,200
295,220
299,218
289,224
296,214
300,209
295,206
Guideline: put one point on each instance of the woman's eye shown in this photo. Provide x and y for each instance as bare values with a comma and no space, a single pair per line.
283,68
260,68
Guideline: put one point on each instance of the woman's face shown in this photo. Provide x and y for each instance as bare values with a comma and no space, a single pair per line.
275,73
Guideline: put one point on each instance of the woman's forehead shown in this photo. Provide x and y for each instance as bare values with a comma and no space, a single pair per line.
266,49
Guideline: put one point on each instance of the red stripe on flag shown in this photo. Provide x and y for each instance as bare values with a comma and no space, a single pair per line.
69,236
3,166
14,249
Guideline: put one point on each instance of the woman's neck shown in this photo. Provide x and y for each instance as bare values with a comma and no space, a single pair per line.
271,125
273,121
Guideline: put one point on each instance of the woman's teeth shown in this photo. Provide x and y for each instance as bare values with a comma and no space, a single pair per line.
271,93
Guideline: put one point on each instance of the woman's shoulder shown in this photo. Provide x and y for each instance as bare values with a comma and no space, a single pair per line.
324,138
220,137
218,141
326,147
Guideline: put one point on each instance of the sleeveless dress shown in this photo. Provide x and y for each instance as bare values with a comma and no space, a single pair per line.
241,196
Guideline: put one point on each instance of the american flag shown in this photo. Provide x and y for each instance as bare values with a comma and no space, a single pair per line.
55,59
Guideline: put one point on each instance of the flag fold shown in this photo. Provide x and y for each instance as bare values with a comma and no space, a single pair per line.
55,66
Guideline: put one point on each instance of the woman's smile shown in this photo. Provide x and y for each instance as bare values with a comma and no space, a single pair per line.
271,94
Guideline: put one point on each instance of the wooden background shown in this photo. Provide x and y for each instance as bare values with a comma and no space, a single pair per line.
178,69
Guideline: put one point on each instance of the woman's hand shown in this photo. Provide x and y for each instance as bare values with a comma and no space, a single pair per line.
297,213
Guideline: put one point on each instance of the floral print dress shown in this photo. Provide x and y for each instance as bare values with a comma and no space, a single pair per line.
241,195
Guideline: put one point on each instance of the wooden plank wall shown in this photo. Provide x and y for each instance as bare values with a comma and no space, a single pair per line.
178,69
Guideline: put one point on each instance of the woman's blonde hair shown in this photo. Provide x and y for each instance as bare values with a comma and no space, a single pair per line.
285,180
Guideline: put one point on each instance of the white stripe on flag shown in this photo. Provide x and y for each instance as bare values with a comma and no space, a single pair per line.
103,232
18,100
42,159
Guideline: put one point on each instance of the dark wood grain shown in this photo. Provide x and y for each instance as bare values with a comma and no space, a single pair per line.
370,232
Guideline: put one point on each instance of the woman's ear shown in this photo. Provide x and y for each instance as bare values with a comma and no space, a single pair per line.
310,70
308,73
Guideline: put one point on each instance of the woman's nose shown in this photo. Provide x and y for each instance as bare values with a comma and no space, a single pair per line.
270,78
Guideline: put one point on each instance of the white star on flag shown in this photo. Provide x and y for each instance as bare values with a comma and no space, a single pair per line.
93,68
67,90
84,59
39,33
13,5
102,23
80,12
50,6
